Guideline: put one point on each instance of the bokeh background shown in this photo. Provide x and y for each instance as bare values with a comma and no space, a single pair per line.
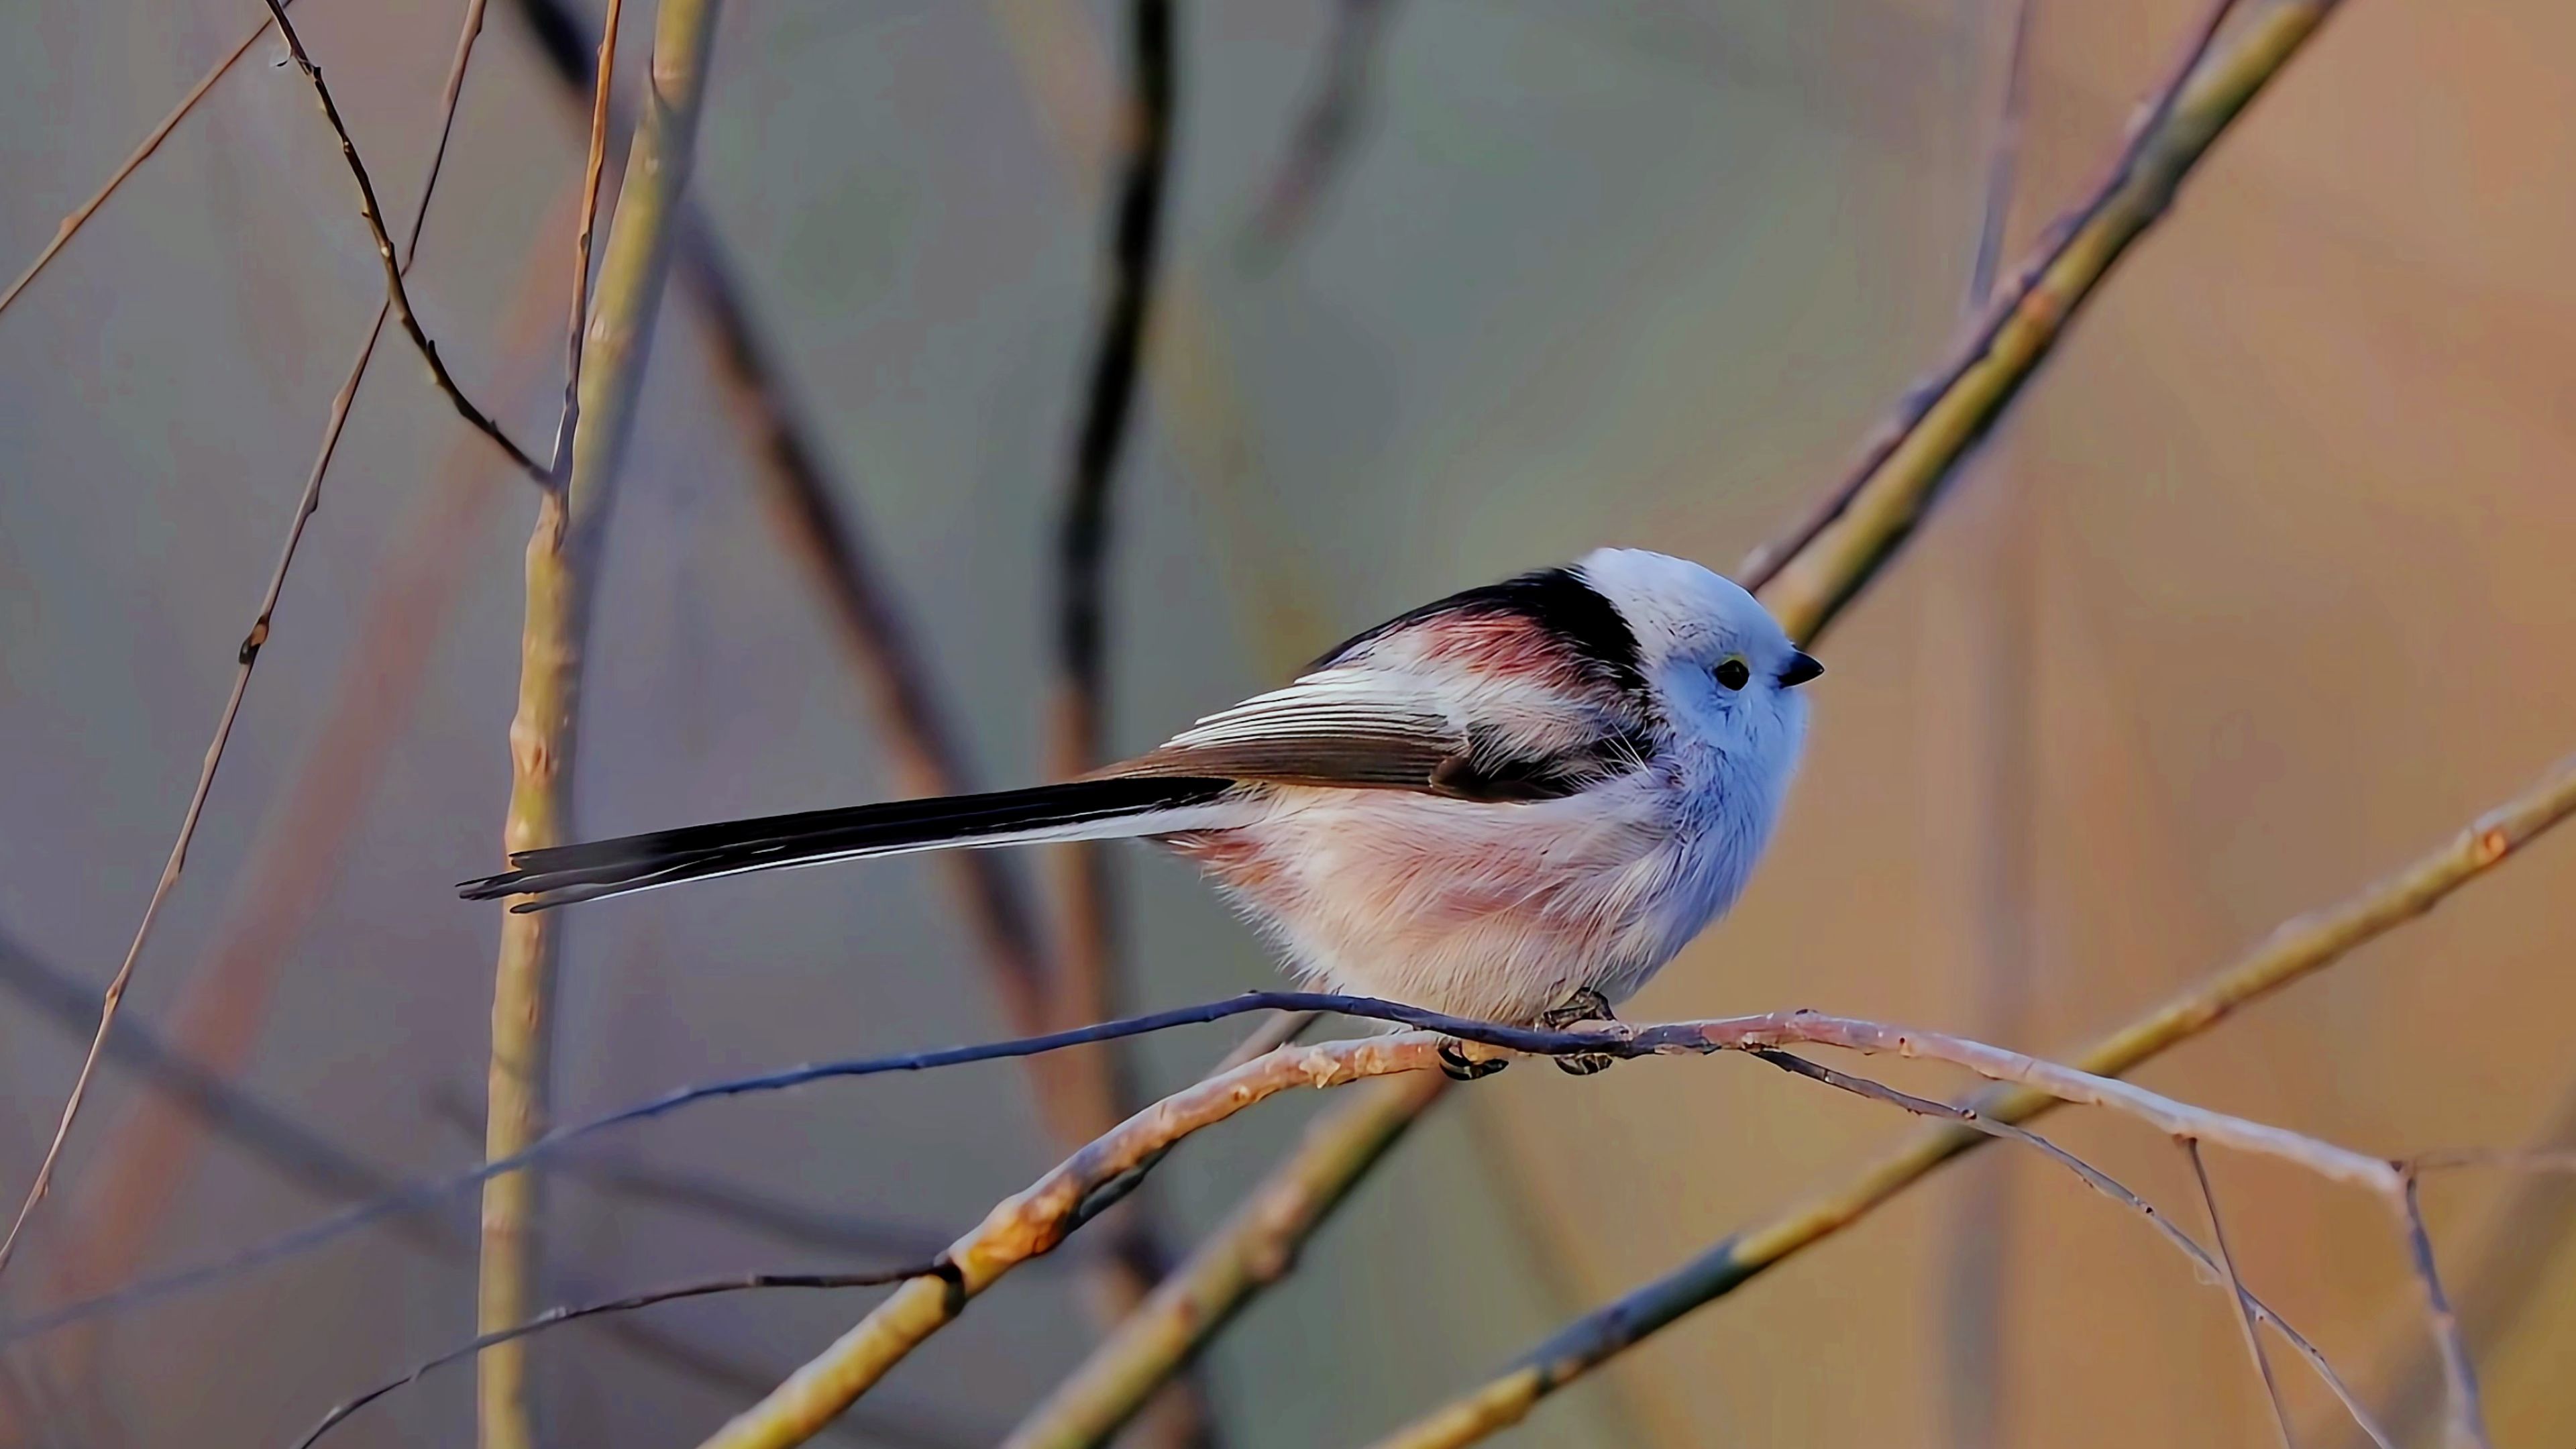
2263,588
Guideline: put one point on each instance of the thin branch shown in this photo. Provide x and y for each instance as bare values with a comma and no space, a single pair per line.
2103,1183
570,1313
561,572
1083,988
395,292
247,656
2510,1268
2236,1290
277,1141
2508,1159
603,81
793,1224
79,218
222,1000
826,536
1255,1247
2298,948
1038,1219
1074,739
1035,1221
2468,1428
1281,1029
2003,159
1939,423
1319,146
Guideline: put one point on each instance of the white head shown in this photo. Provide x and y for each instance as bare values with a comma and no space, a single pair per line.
1723,672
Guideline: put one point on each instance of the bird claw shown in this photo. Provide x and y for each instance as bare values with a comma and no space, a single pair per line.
1584,1005
1460,1067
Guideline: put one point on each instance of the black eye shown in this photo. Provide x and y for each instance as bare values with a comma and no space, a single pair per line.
1734,673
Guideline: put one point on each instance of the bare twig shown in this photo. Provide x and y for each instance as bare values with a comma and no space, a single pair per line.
395,291
2104,1184
2236,1290
633,1179
2510,1268
247,657
826,536
1320,144
561,570
603,80
72,224
2468,1428
1940,422
2296,949
224,999
277,1141
570,1313
1083,988
1035,1221
1252,1249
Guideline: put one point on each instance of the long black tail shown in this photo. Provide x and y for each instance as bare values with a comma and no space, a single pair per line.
1076,810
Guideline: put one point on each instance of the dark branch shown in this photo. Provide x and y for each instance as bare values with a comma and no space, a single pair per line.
395,291
555,1317
426,1193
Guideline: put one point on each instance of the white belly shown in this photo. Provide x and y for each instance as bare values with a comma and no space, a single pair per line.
1491,910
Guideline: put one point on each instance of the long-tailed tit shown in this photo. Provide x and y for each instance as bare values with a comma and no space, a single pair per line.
1515,804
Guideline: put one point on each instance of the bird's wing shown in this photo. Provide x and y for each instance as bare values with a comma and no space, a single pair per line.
1480,703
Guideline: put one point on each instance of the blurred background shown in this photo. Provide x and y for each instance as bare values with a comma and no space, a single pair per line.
2261,590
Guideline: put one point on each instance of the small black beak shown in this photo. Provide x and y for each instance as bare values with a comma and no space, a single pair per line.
1802,667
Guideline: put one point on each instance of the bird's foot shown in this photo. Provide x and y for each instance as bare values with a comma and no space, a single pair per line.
1460,1067
1584,1005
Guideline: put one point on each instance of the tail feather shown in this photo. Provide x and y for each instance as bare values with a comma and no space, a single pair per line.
1074,810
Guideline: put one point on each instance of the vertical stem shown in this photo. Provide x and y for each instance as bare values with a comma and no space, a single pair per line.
562,554
1083,991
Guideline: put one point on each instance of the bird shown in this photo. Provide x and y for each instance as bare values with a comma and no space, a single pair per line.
1514,804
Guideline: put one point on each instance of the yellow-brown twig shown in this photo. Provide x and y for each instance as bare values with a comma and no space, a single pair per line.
2296,949
247,656
561,569
396,293
79,218
1252,1249
225,999
1035,1221
603,79
1038,1219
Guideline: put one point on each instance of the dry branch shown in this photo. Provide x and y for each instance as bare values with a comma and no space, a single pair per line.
1319,145
1035,1221
561,571
395,292
573,1313
2296,949
247,656
79,218
224,999
2210,1270
1808,576
603,80
1254,1248
2236,1290
292,1150
1095,1093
